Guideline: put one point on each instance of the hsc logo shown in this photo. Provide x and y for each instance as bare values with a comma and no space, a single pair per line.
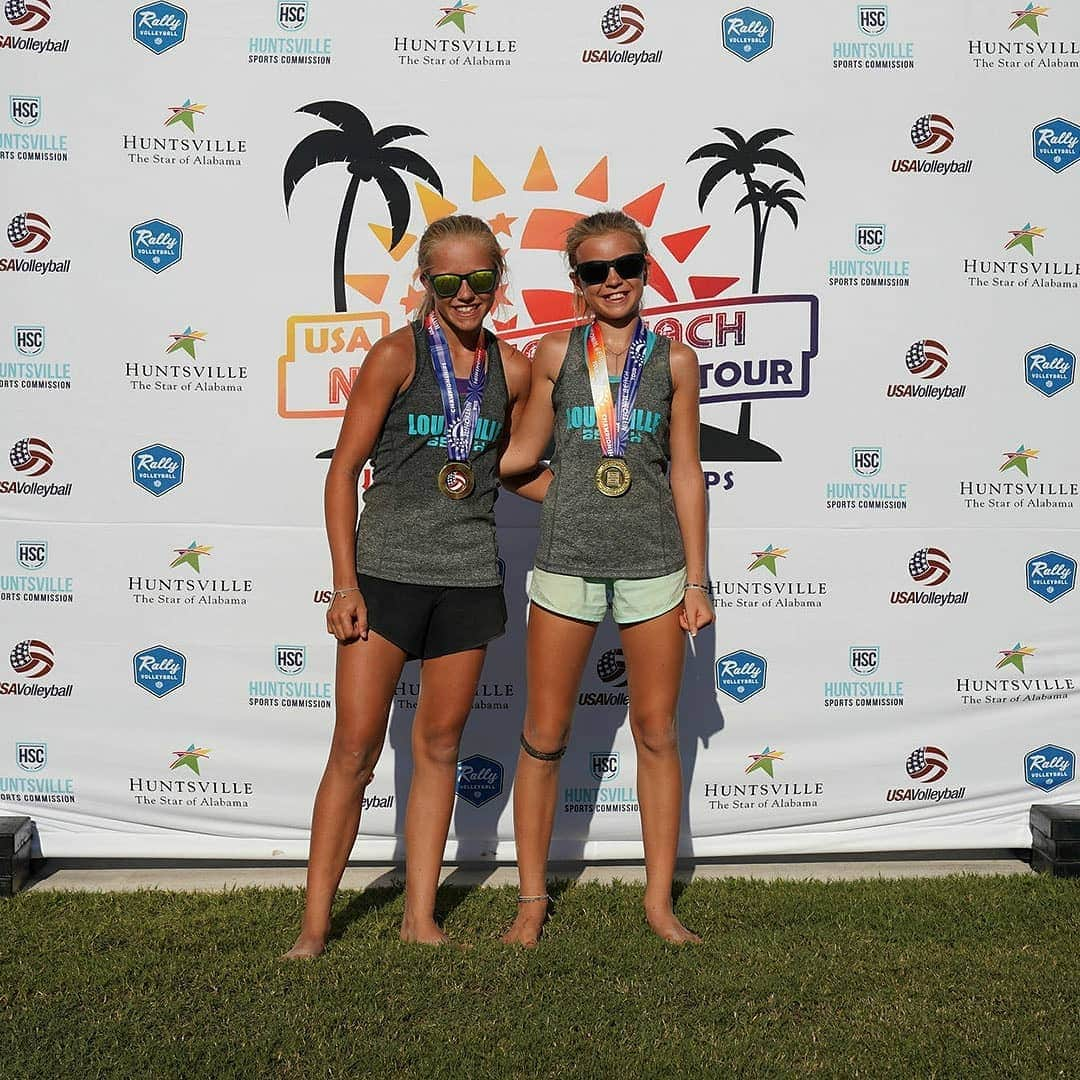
873,19
24,110
32,554
157,469
741,674
604,765
29,340
292,16
290,659
34,756
1056,144
157,245
748,33
870,239
864,659
1051,575
159,27
159,670
1049,767
479,779
1049,369
866,460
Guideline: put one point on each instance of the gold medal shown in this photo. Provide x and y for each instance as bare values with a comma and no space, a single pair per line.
456,479
612,476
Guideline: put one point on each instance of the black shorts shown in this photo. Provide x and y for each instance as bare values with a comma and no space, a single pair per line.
426,621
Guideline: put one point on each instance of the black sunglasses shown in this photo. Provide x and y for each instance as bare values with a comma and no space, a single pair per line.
595,271
447,285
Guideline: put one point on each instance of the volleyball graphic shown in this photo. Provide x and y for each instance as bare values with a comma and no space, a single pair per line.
929,566
32,658
623,23
927,358
927,763
31,456
612,666
456,482
29,231
932,133
27,14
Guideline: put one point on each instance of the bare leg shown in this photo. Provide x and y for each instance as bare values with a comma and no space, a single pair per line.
367,672
557,649
655,652
447,690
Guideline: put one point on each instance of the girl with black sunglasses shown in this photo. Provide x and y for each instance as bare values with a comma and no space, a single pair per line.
622,526
432,407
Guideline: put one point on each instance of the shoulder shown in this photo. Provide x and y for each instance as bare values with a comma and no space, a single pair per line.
393,356
683,362
551,351
516,368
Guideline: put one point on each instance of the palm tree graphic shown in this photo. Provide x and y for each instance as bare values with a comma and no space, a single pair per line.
369,155
743,157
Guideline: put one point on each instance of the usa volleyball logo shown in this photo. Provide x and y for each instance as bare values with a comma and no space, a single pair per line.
28,16
927,763
32,658
31,456
611,667
623,23
932,133
29,232
928,359
929,566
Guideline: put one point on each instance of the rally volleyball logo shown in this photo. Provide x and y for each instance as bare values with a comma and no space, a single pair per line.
28,15
750,347
31,456
29,232
623,23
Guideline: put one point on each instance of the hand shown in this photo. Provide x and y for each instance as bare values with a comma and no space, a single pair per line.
346,617
696,611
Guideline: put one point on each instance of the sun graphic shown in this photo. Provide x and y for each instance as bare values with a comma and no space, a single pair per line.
542,228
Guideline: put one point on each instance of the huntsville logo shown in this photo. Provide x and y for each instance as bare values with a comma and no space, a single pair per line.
187,787
933,134
760,794
289,693
189,587
1016,494
869,239
863,660
603,797
1028,48
1016,272
1010,689
622,24
866,462
35,588
929,567
877,53
762,592
454,50
29,17
25,111
291,49
183,377
177,149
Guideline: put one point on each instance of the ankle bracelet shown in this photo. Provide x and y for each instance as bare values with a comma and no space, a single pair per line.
532,899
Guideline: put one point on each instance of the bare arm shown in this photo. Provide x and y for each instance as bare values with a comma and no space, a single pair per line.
386,372
688,482
532,434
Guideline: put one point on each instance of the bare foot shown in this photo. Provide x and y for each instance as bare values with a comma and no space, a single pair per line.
528,926
422,932
307,947
664,924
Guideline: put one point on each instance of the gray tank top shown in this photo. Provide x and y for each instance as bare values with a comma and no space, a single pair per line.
583,532
409,530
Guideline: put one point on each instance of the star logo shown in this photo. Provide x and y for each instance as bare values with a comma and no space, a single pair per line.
412,300
456,15
764,761
1015,656
185,340
1025,237
767,558
1018,459
185,114
500,223
190,757
1028,17
190,555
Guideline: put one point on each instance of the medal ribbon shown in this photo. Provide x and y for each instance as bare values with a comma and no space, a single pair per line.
460,419
613,417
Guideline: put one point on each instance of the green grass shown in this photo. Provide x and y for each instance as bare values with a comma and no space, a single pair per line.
953,977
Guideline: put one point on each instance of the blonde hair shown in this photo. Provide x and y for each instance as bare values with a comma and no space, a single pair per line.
456,226
601,223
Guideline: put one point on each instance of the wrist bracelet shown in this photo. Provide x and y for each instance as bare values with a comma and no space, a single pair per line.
335,593
694,585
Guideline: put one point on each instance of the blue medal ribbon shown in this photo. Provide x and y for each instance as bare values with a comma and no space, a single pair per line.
460,419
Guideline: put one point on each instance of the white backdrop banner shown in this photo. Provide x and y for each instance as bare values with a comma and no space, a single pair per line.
863,219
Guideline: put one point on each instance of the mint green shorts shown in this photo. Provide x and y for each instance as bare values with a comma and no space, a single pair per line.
631,599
